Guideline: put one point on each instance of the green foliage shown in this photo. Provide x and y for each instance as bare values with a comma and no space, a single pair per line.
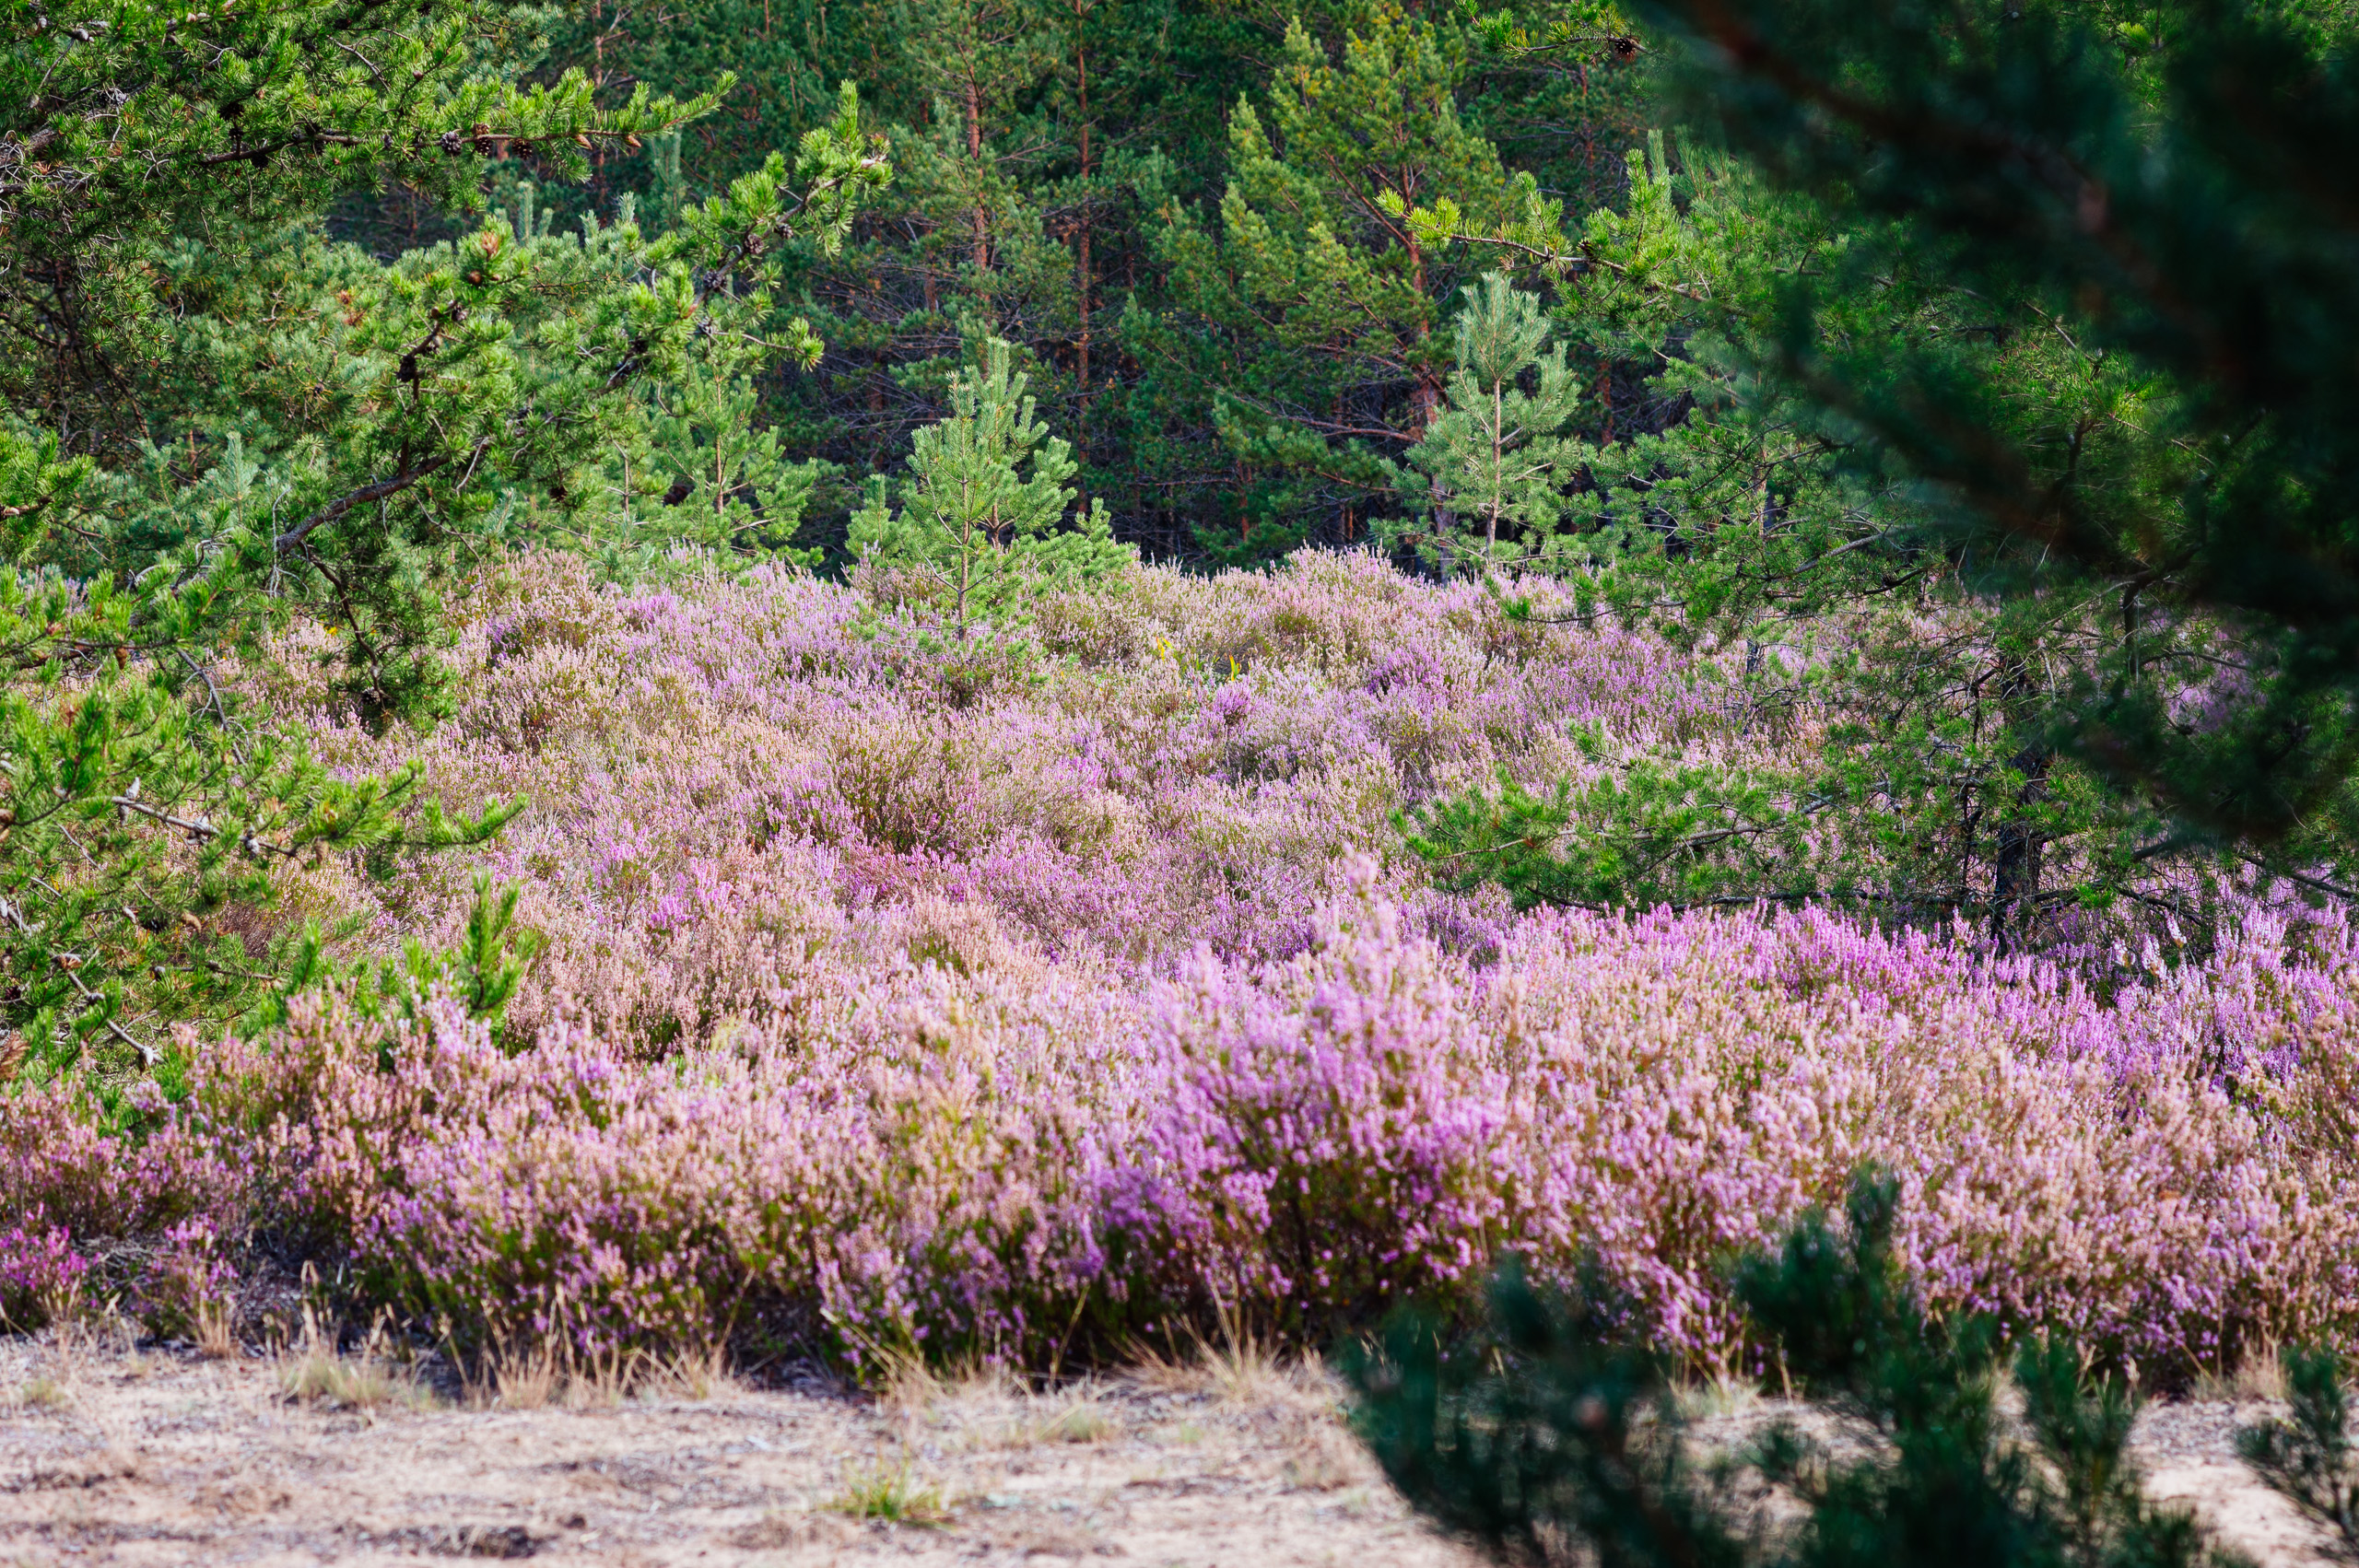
733,487
1496,453
1548,1438
1046,147
1303,327
480,974
2142,413
1648,833
227,423
165,150
2308,1458
142,817
2030,718
979,530
1573,1438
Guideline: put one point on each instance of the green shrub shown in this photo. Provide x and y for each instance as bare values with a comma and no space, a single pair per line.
1547,1437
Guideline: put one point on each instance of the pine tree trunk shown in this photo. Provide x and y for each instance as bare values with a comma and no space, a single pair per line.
1425,407
1498,468
975,166
2015,862
2015,866
1081,252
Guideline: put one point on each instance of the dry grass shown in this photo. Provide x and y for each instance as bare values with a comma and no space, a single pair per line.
909,1390
1296,1404
2258,1376
1079,1419
689,1376
513,1379
214,1326
1026,1421
890,1492
315,1372
1320,1456
989,1407
1240,1367
546,1375
42,1393
358,1383
1712,1399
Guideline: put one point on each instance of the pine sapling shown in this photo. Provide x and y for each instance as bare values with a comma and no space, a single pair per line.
1497,451
2308,1458
982,515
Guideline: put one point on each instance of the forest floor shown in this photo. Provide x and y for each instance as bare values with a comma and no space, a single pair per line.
127,1456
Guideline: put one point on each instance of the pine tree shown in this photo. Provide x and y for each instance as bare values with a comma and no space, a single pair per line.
1914,383
978,524
238,421
1549,1435
1303,325
1497,455
2149,420
728,483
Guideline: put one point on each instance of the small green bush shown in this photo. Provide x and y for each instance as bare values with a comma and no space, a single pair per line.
1549,1437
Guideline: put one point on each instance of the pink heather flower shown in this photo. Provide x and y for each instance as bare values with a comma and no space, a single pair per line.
1022,1022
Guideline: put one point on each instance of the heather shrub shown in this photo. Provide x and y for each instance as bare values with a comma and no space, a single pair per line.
721,767
556,1196
40,1271
598,1210
1105,1005
1014,1157
98,1170
968,1219
1329,1132
1706,1080
912,1182
184,1290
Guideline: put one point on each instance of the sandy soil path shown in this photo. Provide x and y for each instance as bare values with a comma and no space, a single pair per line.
158,1458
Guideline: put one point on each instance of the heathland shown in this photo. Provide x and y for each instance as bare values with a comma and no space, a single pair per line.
998,688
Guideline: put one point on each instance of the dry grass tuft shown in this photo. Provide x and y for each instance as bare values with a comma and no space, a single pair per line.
1714,1397
43,1393
892,1494
1080,1420
520,1379
1320,1456
317,1375
214,1326
688,1375
1241,1368
1024,1420
315,1372
2257,1377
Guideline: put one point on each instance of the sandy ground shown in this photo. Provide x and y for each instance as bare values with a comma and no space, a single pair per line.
139,1457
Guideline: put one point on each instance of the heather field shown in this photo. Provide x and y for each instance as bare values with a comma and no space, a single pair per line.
1550,782
898,1007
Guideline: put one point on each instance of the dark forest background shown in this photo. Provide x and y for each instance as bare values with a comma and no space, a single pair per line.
1172,210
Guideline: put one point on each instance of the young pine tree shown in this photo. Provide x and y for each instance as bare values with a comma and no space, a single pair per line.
1498,456
1549,1437
979,515
729,486
242,423
2150,419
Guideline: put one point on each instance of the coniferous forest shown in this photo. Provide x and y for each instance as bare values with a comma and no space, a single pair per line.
932,682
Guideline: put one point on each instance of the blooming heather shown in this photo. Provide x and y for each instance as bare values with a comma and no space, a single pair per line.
38,1271
1025,1010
